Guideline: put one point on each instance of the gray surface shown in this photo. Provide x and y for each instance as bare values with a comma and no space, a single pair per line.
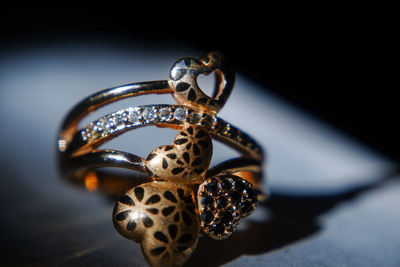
52,223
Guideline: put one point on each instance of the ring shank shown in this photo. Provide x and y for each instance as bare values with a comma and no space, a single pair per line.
77,152
102,98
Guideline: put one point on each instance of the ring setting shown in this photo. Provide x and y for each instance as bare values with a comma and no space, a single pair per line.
184,198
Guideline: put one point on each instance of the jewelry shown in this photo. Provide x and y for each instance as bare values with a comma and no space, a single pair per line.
183,197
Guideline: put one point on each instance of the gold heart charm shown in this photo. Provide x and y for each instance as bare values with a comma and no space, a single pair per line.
163,217
223,200
183,79
184,162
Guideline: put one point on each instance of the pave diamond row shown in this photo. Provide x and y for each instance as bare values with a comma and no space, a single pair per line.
144,115
120,121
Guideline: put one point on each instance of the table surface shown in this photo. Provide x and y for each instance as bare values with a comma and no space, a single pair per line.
333,202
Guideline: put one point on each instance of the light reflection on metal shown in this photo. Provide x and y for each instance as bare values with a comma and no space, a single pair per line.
91,181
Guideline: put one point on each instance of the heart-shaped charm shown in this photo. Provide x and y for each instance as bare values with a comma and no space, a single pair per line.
163,217
183,79
184,162
222,201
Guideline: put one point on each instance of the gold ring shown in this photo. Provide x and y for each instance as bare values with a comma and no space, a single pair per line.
183,196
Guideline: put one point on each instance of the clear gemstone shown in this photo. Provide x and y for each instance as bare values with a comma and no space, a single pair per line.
134,116
122,118
179,114
111,123
98,127
165,114
194,118
84,135
149,114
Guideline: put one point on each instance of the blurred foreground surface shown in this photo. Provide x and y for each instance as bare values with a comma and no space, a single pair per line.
333,202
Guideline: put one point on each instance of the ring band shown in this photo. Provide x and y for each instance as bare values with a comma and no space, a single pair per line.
184,196
172,116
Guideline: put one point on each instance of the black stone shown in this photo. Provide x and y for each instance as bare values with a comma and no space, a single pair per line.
236,197
226,217
218,229
212,187
252,194
222,202
240,186
247,207
207,217
207,201
226,184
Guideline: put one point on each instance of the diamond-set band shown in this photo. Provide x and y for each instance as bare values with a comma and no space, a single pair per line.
130,118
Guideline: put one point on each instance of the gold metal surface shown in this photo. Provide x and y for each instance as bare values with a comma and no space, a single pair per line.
181,196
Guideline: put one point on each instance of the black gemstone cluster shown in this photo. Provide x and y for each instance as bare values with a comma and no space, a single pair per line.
223,200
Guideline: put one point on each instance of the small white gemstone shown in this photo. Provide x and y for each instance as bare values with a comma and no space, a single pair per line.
84,135
99,126
179,114
111,123
165,114
194,118
122,118
149,114
134,116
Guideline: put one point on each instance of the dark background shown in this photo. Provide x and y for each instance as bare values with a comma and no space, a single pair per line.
337,62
